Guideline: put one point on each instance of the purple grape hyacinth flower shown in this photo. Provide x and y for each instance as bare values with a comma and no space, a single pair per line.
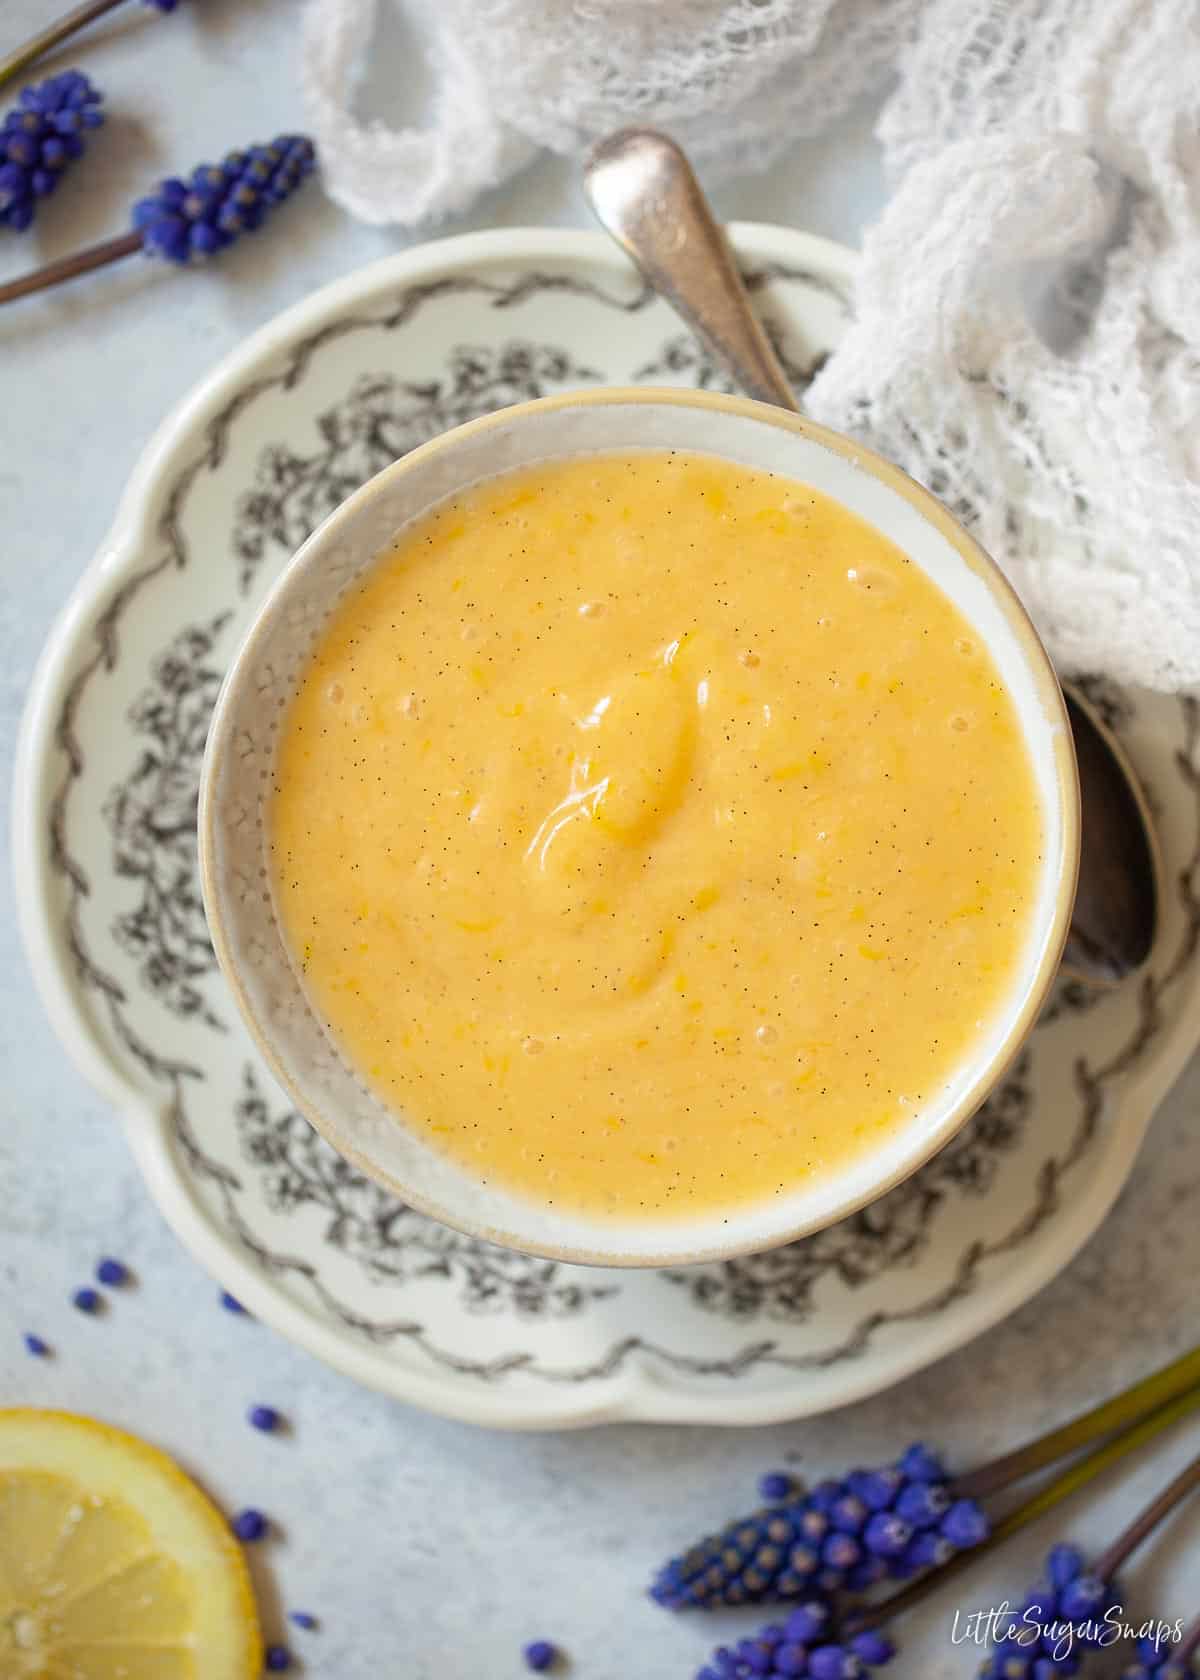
1056,1624
184,220
790,1652
39,138
1157,1661
872,1525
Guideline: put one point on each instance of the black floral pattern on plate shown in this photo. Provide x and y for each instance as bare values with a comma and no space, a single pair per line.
391,1242
684,359
151,816
380,420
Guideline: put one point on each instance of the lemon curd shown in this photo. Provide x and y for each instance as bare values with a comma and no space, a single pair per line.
652,834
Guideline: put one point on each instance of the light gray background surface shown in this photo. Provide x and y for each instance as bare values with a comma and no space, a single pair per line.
430,1550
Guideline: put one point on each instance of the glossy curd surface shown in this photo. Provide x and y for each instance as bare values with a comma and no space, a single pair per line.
652,834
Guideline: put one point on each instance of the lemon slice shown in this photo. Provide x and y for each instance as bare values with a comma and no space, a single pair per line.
113,1565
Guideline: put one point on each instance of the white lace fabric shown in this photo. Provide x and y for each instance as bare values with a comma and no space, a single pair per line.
1027,332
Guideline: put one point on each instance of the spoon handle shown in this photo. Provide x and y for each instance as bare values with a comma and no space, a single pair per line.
643,190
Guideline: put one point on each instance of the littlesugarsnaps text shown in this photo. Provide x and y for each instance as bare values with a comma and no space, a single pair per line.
1029,1624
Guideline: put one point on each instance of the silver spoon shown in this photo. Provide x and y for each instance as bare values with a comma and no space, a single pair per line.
643,189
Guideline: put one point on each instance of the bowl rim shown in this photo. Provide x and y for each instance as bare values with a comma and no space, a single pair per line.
1066,782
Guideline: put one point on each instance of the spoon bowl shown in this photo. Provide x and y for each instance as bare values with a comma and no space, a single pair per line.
1117,900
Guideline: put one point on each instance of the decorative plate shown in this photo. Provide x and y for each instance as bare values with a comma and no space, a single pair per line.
105,852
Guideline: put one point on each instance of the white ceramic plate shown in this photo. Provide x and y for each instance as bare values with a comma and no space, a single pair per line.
105,852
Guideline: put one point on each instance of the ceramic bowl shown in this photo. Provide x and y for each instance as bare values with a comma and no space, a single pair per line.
238,769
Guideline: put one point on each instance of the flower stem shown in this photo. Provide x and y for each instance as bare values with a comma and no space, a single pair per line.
1119,1413
1191,1643
29,51
1062,1487
1111,1559
66,268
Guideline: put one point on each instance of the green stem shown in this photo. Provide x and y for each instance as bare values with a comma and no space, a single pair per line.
29,51
1071,1480
66,268
1117,1414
